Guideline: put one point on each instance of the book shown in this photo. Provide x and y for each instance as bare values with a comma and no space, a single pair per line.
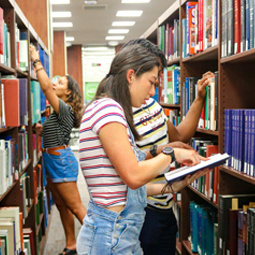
9,224
11,100
225,203
182,172
13,212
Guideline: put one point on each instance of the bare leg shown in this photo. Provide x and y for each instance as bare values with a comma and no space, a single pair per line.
66,216
70,194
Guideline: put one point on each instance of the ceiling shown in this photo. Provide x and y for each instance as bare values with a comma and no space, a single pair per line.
90,26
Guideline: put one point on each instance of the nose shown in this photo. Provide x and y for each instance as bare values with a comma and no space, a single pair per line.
152,91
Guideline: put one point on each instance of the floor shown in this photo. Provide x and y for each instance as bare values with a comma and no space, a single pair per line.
55,239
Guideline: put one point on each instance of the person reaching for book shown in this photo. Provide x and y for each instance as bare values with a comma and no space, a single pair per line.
113,167
158,235
59,161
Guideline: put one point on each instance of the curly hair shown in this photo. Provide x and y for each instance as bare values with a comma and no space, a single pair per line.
74,99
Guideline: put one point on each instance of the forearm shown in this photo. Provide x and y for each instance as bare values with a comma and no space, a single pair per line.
42,77
156,189
188,126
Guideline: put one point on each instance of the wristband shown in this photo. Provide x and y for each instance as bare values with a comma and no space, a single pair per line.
36,61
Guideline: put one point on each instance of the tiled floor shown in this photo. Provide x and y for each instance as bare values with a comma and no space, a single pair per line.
55,239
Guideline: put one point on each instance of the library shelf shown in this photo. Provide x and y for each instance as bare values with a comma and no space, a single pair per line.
40,223
175,61
205,199
242,57
7,191
21,74
5,70
166,105
207,131
187,246
240,175
206,55
6,129
25,167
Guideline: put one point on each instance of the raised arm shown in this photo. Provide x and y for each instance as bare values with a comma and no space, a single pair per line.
115,142
44,80
186,129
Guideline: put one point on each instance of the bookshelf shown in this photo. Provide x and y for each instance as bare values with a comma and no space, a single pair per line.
235,91
24,185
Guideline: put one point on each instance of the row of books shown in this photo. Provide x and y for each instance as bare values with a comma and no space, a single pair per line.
207,184
173,115
14,239
203,229
236,230
14,104
170,85
200,27
13,158
169,39
209,115
237,26
239,139
5,43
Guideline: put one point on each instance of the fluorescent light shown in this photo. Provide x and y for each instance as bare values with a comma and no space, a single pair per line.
117,37
135,1
69,38
60,1
61,14
95,49
62,24
118,31
129,13
90,2
113,43
123,23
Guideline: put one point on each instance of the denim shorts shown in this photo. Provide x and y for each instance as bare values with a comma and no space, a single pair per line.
62,168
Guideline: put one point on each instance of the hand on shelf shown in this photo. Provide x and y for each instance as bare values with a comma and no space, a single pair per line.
34,54
202,83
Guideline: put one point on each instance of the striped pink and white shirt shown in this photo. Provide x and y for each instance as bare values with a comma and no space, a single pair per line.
104,183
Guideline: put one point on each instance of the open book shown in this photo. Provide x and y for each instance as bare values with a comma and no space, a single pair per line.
182,172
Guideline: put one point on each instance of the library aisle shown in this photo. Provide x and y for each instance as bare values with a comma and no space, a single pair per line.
56,239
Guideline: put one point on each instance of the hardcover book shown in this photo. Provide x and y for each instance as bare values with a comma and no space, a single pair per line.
182,172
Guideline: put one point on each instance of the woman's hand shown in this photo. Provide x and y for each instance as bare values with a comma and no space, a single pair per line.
179,185
34,54
187,157
202,83
38,129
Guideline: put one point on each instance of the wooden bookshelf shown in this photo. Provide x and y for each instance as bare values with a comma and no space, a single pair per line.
236,78
15,18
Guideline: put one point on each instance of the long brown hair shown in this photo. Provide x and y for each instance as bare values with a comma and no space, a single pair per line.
75,100
115,85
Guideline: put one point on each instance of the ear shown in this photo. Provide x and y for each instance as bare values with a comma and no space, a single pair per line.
130,76
68,92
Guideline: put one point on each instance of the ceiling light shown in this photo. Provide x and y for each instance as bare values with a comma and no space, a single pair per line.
113,43
118,31
95,49
61,14
90,2
69,38
135,1
117,37
60,1
62,24
123,23
129,13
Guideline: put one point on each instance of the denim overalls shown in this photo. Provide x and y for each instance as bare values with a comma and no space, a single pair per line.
105,232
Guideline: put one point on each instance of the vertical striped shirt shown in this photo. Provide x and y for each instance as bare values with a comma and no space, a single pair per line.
151,123
104,183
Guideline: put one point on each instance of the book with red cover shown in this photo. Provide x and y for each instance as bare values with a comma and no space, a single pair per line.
1,32
29,232
213,189
237,24
233,231
11,102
